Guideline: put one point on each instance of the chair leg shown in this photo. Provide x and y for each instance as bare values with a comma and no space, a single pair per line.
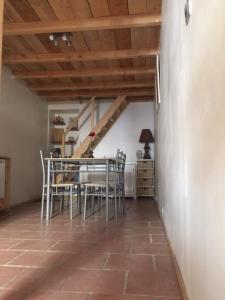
42,202
61,203
119,197
99,202
115,202
78,199
85,202
93,201
101,197
51,206
71,203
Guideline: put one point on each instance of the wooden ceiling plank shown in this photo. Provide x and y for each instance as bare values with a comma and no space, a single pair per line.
87,41
129,98
43,9
106,37
25,10
11,14
62,9
89,24
154,6
78,56
84,73
140,98
54,15
138,35
122,36
90,85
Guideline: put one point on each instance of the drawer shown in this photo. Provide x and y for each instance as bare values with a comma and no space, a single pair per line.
145,164
145,191
144,172
144,182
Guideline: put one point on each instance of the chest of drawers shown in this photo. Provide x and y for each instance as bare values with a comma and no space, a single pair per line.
145,178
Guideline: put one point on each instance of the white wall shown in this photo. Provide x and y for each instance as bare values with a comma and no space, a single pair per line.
126,131
23,127
191,144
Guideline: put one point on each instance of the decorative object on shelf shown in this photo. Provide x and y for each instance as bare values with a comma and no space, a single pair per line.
139,154
146,137
71,140
58,120
56,37
56,152
90,152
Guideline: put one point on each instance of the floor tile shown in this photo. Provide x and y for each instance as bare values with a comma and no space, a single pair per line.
164,264
34,245
37,259
8,273
108,282
130,262
153,283
7,243
6,256
148,248
30,295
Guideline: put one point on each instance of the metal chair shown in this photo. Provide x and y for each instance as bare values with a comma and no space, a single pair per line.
57,188
98,188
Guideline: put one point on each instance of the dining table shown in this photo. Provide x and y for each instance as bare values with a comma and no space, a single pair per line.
81,165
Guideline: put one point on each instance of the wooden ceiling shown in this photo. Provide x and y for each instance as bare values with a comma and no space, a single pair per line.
114,45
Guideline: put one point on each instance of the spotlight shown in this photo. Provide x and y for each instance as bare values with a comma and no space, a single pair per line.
55,38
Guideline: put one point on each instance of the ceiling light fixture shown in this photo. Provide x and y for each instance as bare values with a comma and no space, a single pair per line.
65,37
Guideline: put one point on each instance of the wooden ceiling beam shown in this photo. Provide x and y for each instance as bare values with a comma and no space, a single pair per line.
78,56
84,73
91,85
140,98
136,98
77,25
97,93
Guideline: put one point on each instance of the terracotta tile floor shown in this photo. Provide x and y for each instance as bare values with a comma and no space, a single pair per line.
88,260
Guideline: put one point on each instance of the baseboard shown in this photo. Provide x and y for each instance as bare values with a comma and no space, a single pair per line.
176,266
180,278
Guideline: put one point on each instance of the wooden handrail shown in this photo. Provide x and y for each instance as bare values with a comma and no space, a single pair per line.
74,123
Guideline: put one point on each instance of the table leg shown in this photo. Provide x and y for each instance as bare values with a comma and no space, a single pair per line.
107,192
48,192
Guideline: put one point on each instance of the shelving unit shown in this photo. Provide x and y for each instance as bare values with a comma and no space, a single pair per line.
56,130
145,178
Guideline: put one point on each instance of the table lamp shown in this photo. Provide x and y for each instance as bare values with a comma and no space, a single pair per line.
146,137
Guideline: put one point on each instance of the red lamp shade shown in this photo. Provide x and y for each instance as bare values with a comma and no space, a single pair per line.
146,136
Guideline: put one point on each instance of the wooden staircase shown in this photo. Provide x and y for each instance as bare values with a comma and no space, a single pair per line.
102,127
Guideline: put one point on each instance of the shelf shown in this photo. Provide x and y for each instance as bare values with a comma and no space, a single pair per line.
59,123
144,177
144,168
74,129
66,143
145,186
151,195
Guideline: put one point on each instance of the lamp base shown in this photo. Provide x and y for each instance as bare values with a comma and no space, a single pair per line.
147,149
